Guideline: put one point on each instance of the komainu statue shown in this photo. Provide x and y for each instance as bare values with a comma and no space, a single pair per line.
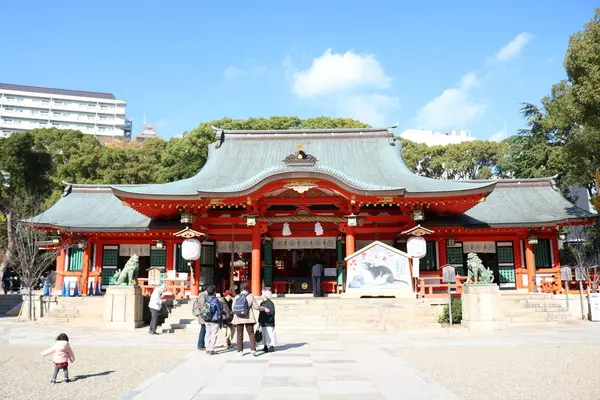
478,273
129,272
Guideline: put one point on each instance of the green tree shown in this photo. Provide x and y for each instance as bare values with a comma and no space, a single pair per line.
24,174
75,157
582,63
467,160
563,135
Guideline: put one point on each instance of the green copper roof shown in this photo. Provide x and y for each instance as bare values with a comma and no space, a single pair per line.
363,161
527,202
512,203
92,208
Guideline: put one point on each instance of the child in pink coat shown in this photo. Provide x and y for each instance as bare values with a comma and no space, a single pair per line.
61,355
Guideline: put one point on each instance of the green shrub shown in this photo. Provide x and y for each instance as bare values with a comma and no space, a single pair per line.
444,318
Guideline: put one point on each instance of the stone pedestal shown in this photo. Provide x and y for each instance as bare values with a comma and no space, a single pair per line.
482,308
123,307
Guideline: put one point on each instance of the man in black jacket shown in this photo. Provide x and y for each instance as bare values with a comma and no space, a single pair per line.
267,321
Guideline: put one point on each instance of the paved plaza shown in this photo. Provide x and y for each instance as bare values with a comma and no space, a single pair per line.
526,363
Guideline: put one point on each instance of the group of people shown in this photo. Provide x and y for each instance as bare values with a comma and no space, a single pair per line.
232,314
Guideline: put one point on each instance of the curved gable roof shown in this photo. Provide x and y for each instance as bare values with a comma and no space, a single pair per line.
363,161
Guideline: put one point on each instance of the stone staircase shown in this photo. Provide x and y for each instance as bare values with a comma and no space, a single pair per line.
331,315
8,303
525,309
83,311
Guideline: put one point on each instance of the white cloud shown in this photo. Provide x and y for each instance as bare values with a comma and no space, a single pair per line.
372,109
514,47
497,137
232,73
453,109
337,72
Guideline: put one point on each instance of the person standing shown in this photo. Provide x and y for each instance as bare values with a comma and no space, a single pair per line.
196,310
226,305
214,321
156,303
266,319
61,355
6,280
317,274
244,305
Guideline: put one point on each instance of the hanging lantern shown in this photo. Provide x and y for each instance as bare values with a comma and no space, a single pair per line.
416,247
286,231
318,229
190,249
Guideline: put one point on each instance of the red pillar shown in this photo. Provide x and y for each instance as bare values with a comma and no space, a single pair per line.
350,240
85,269
196,283
99,263
170,249
60,269
256,278
556,258
442,252
530,261
518,263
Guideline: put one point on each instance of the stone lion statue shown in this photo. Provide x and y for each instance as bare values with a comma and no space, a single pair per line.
478,273
129,272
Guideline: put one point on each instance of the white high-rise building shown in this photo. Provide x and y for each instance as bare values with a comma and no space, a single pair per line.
431,138
23,108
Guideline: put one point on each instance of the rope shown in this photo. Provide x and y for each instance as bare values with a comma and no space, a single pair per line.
305,218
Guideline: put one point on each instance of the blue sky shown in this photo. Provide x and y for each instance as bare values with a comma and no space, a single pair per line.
435,65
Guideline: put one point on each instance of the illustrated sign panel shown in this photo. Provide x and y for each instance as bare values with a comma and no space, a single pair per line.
378,268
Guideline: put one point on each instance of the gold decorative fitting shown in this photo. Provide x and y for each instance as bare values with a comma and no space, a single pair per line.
417,231
188,233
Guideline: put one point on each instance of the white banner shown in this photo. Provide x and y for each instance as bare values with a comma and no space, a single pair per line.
479,247
304,243
127,250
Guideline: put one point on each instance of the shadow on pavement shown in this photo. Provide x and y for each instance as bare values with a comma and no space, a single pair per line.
82,377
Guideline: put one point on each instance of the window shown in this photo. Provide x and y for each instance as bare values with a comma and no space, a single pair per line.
75,259
180,264
506,264
543,255
429,262
158,258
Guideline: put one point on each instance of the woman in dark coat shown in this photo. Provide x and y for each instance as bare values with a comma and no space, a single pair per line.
267,321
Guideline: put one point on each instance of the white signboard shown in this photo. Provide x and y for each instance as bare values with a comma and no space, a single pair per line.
240,247
479,247
378,268
594,304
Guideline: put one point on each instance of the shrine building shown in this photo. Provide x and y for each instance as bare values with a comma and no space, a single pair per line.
269,202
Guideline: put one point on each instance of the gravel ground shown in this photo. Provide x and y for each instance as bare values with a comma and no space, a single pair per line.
98,373
507,373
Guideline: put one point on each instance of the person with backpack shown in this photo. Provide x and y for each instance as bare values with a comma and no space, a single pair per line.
244,305
196,311
266,319
226,305
211,313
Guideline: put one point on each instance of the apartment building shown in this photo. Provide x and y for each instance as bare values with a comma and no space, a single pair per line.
23,108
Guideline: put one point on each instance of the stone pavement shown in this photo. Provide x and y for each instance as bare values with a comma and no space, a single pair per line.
332,366
323,369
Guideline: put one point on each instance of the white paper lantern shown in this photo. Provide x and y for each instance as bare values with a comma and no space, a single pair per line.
190,249
416,247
